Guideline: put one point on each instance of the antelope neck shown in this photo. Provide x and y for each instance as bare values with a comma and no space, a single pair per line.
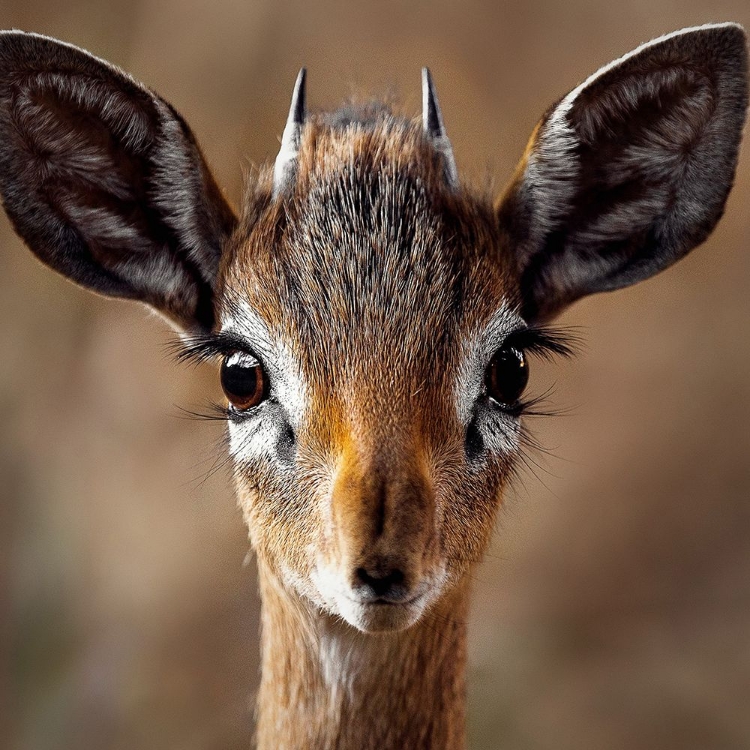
326,685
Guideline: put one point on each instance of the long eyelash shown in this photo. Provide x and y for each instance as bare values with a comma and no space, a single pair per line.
214,412
205,347
538,406
546,341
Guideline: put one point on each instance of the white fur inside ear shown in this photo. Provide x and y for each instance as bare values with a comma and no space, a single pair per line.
551,174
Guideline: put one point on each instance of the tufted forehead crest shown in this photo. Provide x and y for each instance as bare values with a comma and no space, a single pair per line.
287,161
369,240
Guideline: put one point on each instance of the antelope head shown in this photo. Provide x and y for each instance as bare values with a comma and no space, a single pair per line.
373,316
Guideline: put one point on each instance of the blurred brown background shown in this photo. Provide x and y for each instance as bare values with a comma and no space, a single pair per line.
614,609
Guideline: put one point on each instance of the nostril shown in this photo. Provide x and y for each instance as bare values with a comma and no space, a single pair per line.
381,585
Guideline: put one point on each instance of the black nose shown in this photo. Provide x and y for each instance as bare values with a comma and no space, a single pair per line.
388,586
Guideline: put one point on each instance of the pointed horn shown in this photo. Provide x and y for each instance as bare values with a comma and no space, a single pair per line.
432,123
285,167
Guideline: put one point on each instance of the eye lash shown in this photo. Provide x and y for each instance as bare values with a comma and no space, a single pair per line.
213,412
545,341
206,347
536,406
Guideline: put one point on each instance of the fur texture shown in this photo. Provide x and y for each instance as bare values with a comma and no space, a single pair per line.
375,294
105,182
631,170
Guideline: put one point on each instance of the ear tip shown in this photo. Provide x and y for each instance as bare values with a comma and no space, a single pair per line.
729,38
728,29
727,44
731,29
17,47
29,46
737,37
731,34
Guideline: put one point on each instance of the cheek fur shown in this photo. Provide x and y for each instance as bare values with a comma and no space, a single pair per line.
264,434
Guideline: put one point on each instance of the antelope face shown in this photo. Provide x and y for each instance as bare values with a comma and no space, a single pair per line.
372,315
376,309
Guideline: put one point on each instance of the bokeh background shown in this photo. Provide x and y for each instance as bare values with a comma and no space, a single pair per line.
614,608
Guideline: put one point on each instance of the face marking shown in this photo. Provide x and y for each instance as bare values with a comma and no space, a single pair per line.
499,431
265,429
335,595
478,346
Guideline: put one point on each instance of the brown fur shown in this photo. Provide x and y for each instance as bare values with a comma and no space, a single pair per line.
376,294
380,417
396,690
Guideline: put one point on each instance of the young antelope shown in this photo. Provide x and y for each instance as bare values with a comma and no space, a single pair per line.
373,317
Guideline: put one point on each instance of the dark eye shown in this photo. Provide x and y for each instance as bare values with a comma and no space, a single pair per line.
243,380
507,376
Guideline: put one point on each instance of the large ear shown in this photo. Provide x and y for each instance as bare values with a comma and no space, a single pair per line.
629,171
105,182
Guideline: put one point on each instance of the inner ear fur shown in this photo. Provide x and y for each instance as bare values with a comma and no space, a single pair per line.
105,182
630,170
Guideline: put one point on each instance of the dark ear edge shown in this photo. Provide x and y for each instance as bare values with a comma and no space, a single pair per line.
105,181
630,170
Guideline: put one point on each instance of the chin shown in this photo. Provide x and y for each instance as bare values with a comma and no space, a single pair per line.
376,616
381,617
